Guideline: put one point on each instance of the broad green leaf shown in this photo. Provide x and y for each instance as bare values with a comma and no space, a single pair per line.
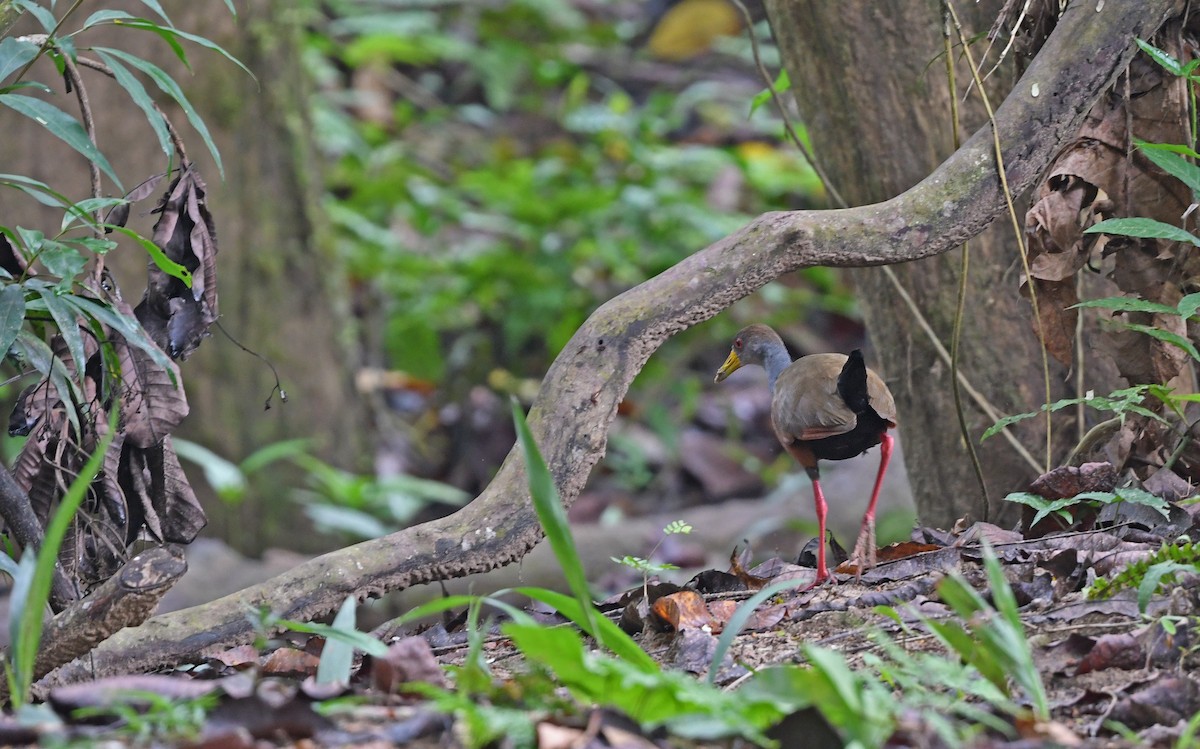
170,33
15,54
103,17
62,260
1154,576
1189,304
37,354
128,327
1165,59
337,657
264,456
781,84
1146,228
553,517
12,315
360,640
1127,304
1169,147
68,326
84,209
606,633
38,11
739,619
1166,336
224,477
137,92
25,646
62,126
157,8
164,263
172,89
1176,166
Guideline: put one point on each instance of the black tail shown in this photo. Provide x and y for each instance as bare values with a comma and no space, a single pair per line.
852,383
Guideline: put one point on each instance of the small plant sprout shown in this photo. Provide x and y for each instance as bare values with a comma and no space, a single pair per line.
647,567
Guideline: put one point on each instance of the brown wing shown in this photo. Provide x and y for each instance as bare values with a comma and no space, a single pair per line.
806,405
880,397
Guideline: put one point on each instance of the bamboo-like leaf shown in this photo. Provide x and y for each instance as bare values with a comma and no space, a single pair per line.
168,85
1167,336
1188,305
24,648
68,326
170,34
337,657
1163,58
1126,304
15,54
137,93
166,264
1145,228
12,315
38,11
63,126
1175,165
548,506
104,17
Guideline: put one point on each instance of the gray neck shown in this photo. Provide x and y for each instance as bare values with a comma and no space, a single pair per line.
776,360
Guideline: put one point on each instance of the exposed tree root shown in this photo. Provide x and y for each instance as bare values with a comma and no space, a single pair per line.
579,396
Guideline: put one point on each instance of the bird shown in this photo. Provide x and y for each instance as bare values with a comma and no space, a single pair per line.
823,407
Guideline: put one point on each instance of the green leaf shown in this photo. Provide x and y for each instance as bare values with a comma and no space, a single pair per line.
1189,304
739,619
337,657
606,633
137,93
1168,147
103,17
42,14
1127,304
781,84
169,33
226,479
172,89
68,326
130,328
35,351
1146,228
25,646
1165,59
1166,336
63,126
1174,165
157,256
553,517
12,315
15,54
265,456
1154,576
359,640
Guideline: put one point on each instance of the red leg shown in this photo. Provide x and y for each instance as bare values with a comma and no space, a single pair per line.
822,510
864,548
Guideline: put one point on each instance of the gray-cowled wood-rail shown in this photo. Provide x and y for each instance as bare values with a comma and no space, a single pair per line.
823,407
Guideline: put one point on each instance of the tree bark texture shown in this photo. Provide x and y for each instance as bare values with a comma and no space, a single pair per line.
277,274
871,85
579,396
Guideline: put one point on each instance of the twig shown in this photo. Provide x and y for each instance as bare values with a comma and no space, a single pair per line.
960,308
89,125
1016,224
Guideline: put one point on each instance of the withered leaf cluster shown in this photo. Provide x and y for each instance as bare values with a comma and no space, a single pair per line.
141,490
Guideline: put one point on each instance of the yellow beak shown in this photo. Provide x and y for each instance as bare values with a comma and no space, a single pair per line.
731,365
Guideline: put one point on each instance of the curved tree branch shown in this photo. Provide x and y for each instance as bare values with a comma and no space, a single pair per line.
579,396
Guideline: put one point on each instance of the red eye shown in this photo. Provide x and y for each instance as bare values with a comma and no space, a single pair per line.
737,343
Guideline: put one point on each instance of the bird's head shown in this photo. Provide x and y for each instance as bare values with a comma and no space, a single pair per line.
750,346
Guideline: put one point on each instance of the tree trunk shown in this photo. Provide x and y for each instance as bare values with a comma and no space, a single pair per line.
871,84
277,275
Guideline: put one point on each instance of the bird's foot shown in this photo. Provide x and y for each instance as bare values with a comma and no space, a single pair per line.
864,557
821,579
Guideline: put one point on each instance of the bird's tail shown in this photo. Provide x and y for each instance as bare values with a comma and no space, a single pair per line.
852,383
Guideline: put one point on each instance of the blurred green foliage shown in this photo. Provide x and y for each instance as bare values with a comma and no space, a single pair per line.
499,171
